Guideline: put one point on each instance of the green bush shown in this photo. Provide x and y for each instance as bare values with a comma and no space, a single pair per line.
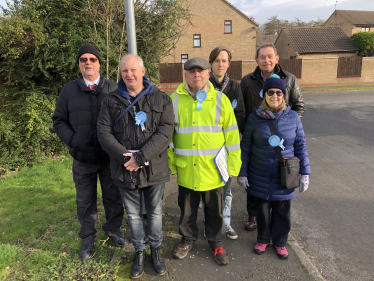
365,42
26,130
39,41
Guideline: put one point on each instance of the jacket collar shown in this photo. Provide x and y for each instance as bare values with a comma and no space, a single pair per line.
208,88
277,70
148,88
84,87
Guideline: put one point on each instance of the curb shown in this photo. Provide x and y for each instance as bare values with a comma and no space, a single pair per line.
305,261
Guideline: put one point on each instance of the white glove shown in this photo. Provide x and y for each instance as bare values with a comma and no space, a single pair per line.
243,181
304,183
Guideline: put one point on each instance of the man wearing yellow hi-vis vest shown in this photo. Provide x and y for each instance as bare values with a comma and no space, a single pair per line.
204,124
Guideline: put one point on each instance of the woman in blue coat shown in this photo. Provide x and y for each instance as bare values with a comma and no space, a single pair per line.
260,171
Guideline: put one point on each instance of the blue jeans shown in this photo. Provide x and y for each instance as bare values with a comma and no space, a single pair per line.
132,199
227,197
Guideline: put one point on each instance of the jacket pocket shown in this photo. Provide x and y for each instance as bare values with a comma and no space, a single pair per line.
180,162
154,116
159,166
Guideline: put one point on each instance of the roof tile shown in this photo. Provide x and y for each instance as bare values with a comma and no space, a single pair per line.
319,40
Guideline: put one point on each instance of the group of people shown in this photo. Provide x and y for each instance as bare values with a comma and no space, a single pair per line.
135,136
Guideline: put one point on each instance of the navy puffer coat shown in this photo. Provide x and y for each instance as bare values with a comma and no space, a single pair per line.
260,162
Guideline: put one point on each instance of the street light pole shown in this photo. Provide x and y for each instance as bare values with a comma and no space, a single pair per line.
130,27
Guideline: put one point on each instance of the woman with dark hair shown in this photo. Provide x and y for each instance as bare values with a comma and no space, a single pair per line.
260,171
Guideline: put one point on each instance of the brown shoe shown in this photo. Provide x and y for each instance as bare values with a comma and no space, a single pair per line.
181,251
220,256
251,224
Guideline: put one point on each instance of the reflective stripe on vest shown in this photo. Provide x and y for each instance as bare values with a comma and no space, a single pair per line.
233,147
198,129
175,108
232,127
218,107
196,152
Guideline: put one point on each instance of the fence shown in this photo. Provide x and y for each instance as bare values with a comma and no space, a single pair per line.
293,66
309,71
235,70
171,73
349,67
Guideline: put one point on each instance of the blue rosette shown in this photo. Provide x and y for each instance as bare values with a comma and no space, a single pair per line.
140,118
275,141
234,103
261,94
200,97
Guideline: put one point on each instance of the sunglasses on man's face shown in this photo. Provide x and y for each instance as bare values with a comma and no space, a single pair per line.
271,92
84,60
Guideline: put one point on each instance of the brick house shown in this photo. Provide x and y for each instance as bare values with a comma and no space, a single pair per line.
352,21
314,42
215,23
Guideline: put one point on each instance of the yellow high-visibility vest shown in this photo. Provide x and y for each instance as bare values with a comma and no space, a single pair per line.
199,135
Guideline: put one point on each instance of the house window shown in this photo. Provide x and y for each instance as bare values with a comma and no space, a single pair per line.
365,29
197,40
228,26
184,58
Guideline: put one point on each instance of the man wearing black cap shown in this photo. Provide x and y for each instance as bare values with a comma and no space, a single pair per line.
74,120
204,125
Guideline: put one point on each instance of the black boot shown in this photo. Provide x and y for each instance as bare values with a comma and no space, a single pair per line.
86,252
158,263
137,268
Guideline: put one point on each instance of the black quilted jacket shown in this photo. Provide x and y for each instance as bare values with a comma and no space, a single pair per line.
75,118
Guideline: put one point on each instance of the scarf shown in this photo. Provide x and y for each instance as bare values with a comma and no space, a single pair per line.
221,85
263,112
206,88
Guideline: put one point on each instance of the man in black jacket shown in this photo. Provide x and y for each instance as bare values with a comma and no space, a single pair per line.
135,127
219,60
74,121
267,60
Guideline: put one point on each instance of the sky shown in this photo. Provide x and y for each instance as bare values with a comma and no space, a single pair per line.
305,10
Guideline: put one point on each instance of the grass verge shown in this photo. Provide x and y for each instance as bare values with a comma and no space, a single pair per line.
337,89
39,229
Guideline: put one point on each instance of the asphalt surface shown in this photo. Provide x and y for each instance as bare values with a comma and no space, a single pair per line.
333,220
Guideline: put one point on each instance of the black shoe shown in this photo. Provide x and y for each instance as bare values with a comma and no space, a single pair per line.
139,261
86,252
119,240
158,263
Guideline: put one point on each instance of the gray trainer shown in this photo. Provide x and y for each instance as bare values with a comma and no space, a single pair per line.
231,232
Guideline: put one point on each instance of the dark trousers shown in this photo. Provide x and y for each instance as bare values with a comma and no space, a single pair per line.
188,201
273,221
85,178
251,205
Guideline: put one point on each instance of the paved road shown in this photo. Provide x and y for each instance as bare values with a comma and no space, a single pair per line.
333,221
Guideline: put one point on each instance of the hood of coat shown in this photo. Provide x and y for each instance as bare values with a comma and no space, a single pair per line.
148,88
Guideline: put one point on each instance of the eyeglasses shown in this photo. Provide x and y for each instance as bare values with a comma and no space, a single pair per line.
84,60
271,92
